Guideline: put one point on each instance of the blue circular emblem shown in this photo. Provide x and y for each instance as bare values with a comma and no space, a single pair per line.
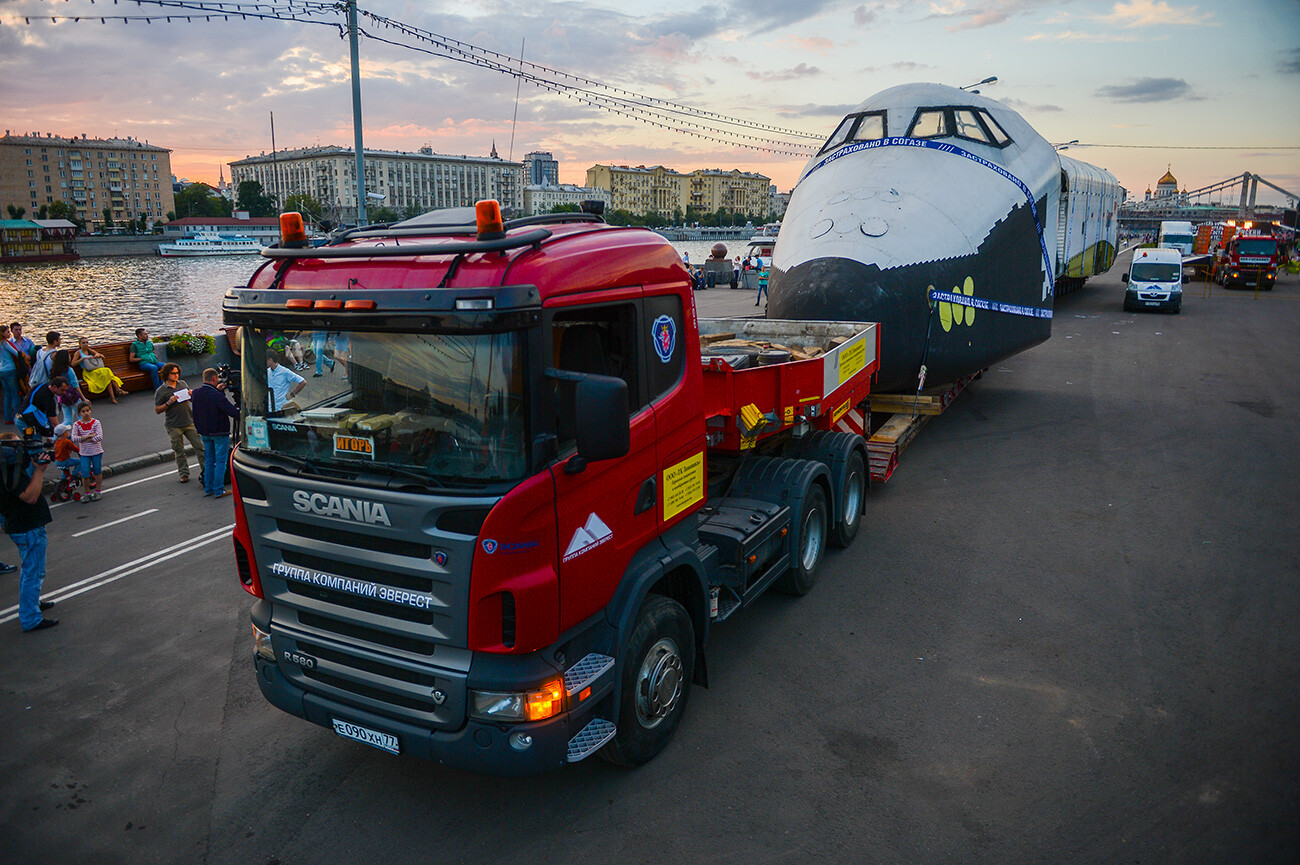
664,331
489,546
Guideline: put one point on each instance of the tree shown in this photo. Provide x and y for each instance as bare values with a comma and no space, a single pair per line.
251,198
565,208
63,210
304,204
16,212
44,212
383,214
108,218
199,199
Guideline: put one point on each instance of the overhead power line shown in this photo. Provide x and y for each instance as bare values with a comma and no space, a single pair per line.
676,117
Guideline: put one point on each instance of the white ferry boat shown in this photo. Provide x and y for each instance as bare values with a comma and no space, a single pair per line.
211,244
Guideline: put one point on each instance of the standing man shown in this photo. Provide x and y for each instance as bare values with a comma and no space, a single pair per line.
142,355
23,343
43,361
212,414
173,397
25,515
282,383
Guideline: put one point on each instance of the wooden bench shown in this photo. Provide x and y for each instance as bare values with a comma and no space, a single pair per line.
117,358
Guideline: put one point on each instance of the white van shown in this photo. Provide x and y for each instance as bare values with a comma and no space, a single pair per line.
1155,280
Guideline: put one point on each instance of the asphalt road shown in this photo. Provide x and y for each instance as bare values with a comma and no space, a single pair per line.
1068,634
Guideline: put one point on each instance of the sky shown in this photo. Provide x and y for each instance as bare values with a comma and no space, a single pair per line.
1208,90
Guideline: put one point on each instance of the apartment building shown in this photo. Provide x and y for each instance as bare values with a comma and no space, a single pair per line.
424,180
128,177
641,190
665,191
736,191
543,198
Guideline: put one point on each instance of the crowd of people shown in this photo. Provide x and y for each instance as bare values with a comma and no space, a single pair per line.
48,390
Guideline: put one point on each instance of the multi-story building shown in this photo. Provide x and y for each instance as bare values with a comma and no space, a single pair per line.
540,168
667,192
641,190
394,179
127,177
736,191
543,198
777,203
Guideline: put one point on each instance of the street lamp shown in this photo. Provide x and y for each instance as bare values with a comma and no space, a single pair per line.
992,79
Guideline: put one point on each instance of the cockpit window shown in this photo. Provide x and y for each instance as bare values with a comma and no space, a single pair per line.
971,124
867,126
930,124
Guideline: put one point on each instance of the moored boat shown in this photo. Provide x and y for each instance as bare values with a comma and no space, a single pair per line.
211,244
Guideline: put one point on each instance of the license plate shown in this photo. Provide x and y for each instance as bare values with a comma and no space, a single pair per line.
374,738
1153,302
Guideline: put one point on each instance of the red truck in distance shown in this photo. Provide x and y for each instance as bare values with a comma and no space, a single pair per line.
1248,258
497,529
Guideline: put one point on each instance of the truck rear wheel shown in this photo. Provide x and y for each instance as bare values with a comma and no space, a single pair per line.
813,520
657,671
855,489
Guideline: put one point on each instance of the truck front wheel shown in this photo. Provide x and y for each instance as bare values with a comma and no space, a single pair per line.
657,671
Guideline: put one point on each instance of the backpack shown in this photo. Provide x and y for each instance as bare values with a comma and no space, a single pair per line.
22,367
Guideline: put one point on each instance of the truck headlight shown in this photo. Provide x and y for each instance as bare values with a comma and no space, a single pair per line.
545,702
262,644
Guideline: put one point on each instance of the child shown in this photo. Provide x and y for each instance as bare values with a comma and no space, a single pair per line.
66,454
90,435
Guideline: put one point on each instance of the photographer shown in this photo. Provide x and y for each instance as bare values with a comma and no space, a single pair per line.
25,515
212,414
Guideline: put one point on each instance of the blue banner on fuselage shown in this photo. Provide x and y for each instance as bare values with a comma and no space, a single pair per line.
991,305
944,147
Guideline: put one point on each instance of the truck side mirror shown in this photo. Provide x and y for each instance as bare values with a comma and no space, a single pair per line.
603,429
1123,277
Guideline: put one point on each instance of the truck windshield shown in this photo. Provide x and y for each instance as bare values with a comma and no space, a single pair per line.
1150,271
449,408
1263,246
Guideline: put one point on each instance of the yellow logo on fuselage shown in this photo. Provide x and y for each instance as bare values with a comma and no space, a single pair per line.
951,314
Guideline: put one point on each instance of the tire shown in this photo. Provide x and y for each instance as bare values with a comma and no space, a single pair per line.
851,496
813,519
656,679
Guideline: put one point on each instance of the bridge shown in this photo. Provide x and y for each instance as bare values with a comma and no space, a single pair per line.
1207,205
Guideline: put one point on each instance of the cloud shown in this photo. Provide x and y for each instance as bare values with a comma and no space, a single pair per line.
803,70
1022,105
1291,65
811,44
862,16
1154,13
983,14
1148,90
1092,36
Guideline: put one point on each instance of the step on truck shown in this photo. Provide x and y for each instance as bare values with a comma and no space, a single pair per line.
493,513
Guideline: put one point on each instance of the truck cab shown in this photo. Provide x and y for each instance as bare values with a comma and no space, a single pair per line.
1154,281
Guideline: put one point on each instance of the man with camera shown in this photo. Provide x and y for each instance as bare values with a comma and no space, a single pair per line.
25,515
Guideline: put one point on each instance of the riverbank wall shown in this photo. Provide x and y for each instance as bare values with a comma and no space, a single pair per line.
118,244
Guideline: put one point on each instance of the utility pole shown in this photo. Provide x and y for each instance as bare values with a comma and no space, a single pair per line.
356,112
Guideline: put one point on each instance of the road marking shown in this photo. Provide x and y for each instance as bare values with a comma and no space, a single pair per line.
132,483
115,522
125,570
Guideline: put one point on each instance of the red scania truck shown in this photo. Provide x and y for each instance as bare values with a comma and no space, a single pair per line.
1249,257
495,530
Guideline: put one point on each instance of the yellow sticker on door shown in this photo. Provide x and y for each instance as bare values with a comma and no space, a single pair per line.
683,485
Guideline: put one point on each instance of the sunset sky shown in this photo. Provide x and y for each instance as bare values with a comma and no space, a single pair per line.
1209,89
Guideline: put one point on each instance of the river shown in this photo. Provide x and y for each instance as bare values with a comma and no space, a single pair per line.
107,298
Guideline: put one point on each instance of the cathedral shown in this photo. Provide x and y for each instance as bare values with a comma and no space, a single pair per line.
1167,190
